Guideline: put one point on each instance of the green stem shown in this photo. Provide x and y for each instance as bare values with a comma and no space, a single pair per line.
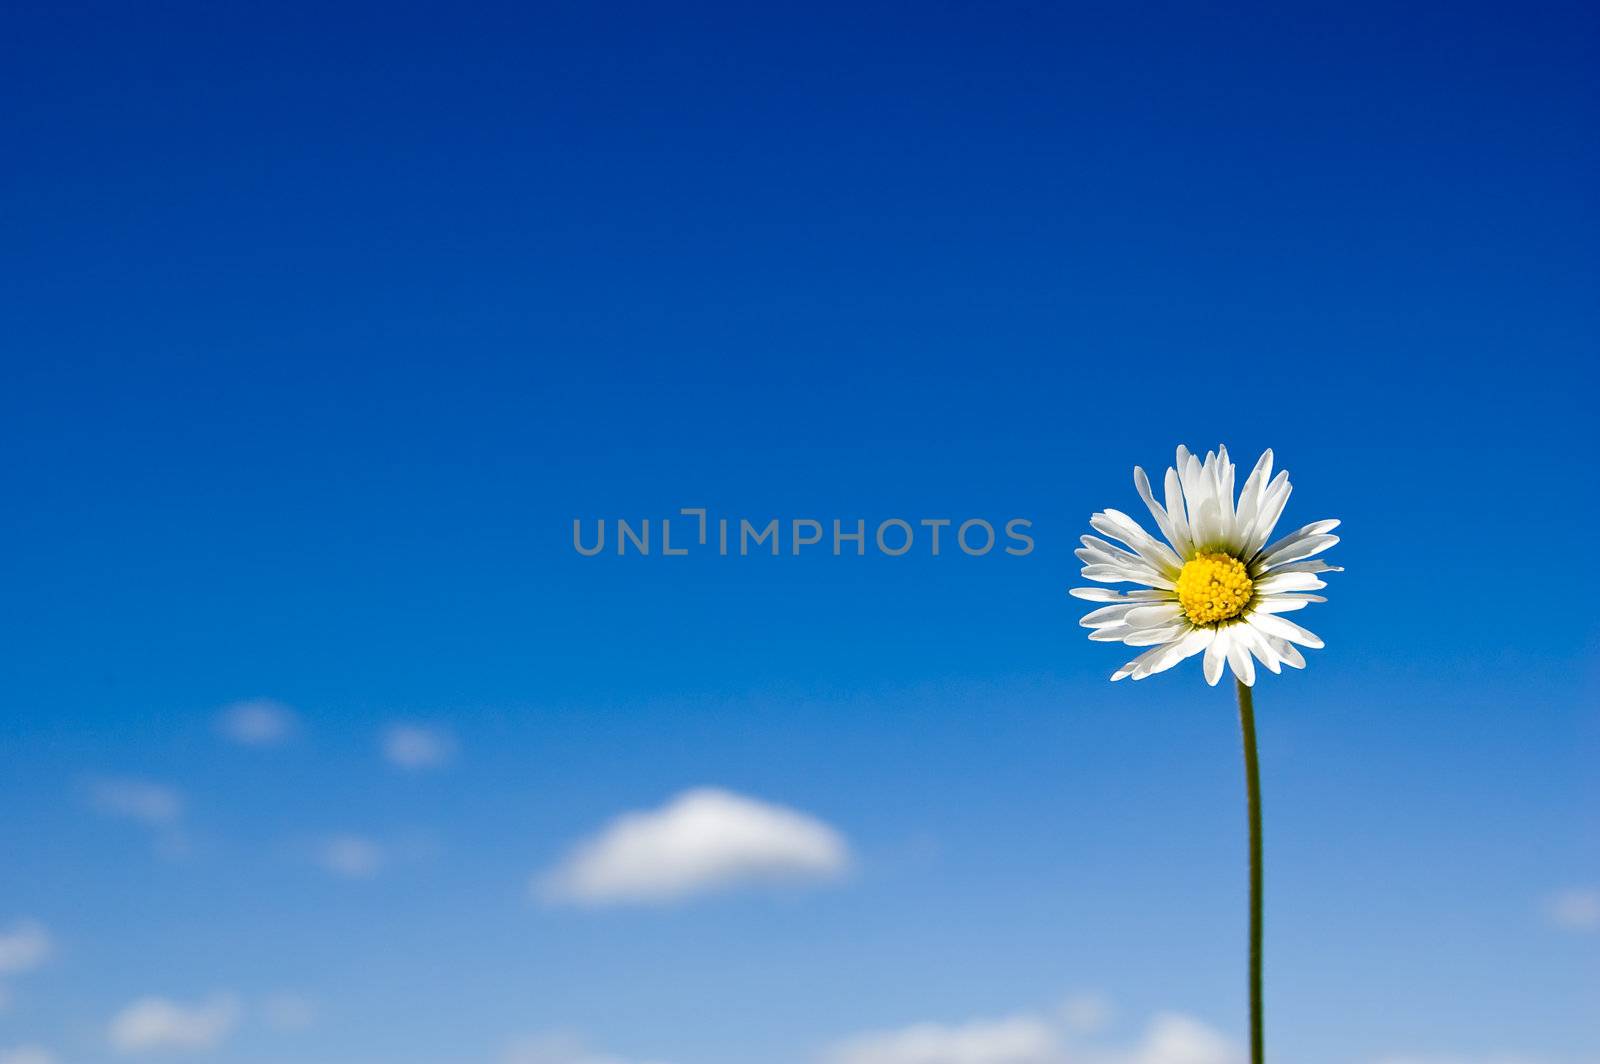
1252,782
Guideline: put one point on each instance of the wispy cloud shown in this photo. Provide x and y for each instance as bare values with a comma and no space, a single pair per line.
1176,1039
27,1055
1574,909
154,1023
152,804
560,1049
257,722
352,856
1013,1040
1041,1037
24,946
417,747
1086,1013
1498,1058
289,1012
703,840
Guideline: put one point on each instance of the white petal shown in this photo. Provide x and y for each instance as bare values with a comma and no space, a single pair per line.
1239,660
1272,504
1105,615
1096,551
1165,656
1088,556
1110,574
1301,543
1190,644
1196,489
1283,603
1157,511
1138,594
1252,493
1258,645
1095,594
1154,616
1216,655
1208,525
1183,542
1147,637
1110,594
1280,582
1132,666
1315,528
1297,567
1291,655
1193,643
1284,629
1228,528
1121,527
1302,548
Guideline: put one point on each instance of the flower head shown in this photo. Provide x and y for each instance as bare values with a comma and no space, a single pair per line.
1216,585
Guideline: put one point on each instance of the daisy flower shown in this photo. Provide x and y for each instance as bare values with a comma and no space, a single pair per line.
1216,585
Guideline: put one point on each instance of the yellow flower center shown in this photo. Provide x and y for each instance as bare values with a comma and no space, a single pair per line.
1213,587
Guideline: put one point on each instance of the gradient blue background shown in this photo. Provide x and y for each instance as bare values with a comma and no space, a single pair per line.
320,326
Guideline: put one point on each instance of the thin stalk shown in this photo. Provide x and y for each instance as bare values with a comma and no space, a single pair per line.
1252,783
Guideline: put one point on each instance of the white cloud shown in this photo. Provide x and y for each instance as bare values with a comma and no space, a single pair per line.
1507,1058
703,840
1038,1038
1086,1013
257,722
352,856
560,1049
152,804
416,747
27,1055
1017,1040
289,1012
1574,909
24,947
1175,1039
157,1023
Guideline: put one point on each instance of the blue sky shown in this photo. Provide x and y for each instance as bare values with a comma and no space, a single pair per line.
321,328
